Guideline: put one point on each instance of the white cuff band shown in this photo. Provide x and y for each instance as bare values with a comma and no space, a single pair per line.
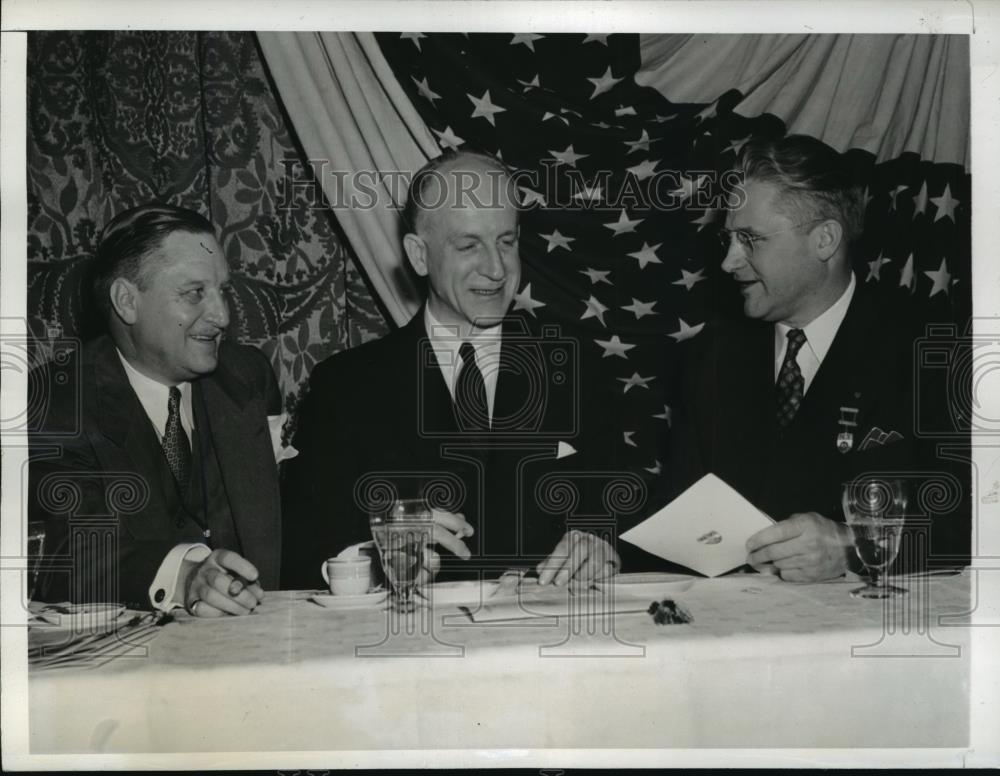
163,593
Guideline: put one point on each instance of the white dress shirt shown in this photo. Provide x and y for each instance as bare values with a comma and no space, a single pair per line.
446,341
819,337
153,396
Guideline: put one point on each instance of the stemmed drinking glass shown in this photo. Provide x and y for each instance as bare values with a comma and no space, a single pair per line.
36,549
875,510
401,532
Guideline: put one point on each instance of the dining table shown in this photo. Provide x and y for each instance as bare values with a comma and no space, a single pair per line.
753,662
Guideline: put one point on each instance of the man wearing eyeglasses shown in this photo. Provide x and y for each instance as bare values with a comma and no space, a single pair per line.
813,386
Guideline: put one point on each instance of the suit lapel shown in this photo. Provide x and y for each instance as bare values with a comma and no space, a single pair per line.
751,367
125,423
241,447
419,392
842,377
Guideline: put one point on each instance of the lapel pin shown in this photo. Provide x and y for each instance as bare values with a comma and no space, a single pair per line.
848,421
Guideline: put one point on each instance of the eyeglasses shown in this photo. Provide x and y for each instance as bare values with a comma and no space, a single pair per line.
748,240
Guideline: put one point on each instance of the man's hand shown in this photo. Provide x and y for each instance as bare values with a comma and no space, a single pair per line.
806,547
579,556
448,530
224,583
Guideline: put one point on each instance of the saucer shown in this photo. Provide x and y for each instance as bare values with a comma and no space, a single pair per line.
79,616
368,600
647,584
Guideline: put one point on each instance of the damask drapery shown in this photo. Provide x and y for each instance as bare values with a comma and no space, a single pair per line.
116,119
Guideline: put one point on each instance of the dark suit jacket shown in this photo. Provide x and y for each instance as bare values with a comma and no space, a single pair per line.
381,415
726,422
99,479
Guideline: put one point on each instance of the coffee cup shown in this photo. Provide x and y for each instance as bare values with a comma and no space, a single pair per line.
348,576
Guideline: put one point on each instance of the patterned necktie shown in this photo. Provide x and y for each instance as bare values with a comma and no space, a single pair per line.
791,386
175,442
471,407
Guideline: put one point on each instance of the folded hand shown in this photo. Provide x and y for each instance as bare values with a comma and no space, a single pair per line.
579,556
223,583
806,547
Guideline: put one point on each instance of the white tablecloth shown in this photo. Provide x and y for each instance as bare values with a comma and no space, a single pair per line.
764,664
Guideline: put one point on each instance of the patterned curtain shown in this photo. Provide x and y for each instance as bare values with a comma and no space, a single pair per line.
117,119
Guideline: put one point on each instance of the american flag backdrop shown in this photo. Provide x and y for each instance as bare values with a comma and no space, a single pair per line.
618,242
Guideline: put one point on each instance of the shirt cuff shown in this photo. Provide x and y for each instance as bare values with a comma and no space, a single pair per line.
163,593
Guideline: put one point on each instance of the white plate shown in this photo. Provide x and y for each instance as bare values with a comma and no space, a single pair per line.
464,592
365,601
81,616
648,584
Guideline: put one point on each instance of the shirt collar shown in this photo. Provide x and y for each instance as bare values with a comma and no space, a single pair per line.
821,331
445,338
153,395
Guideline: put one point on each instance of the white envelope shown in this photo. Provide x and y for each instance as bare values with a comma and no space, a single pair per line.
705,528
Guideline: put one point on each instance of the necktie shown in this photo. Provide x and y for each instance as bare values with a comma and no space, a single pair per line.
791,386
175,442
470,393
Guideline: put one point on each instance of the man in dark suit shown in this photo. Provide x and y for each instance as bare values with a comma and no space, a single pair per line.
467,405
816,385
155,473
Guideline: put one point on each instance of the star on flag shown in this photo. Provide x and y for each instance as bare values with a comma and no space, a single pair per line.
875,267
689,279
688,187
894,194
528,197
643,170
627,435
623,225
523,301
589,194
485,108
569,156
685,331
920,203
614,347
735,146
597,276
646,255
706,218
635,380
941,278
640,309
642,144
449,139
425,91
527,38
414,36
557,240
534,83
594,310
906,277
946,205
604,83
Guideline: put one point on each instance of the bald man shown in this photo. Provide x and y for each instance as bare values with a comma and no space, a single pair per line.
463,405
